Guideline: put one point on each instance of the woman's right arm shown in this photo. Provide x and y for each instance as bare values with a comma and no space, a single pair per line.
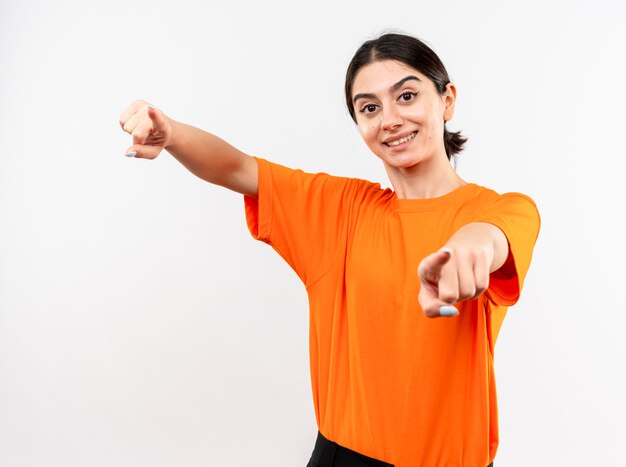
203,154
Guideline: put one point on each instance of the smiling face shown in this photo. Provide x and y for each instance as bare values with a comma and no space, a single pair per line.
400,114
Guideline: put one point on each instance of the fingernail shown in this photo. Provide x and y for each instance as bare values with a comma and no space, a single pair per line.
131,154
448,250
447,310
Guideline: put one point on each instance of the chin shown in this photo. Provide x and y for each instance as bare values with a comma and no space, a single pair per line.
408,165
402,161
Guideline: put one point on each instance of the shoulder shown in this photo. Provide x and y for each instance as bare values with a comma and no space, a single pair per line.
511,211
322,180
484,197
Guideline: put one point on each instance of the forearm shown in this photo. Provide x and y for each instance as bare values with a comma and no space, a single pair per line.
484,236
213,159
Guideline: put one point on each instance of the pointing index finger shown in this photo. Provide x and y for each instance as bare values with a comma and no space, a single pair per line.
430,268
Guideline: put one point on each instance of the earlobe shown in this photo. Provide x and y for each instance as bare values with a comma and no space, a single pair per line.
449,113
449,101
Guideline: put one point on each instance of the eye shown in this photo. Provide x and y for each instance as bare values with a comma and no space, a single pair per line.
407,96
368,108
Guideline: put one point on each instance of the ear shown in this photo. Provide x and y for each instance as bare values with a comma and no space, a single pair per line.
449,99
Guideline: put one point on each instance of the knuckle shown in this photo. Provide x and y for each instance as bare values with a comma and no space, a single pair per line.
429,312
480,290
481,286
467,293
461,250
449,297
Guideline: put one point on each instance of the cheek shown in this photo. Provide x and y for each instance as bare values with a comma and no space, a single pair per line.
429,122
369,132
419,114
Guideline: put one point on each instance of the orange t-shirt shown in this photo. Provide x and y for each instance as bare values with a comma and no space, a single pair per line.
388,381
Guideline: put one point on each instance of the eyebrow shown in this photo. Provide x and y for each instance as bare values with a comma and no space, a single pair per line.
391,89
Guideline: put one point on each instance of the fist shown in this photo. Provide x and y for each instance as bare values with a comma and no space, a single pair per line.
150,128
450,275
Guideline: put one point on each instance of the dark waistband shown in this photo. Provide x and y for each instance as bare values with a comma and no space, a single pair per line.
330,454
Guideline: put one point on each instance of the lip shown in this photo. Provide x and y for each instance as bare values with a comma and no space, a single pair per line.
399,136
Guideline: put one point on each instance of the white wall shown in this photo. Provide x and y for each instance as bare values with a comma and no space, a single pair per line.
140,324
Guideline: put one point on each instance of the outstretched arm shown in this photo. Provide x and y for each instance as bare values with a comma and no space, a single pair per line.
460,270
204,154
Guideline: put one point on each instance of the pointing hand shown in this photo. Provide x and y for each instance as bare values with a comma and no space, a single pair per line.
151,129
449,275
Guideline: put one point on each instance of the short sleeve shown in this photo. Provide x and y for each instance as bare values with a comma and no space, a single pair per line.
518,217
301,215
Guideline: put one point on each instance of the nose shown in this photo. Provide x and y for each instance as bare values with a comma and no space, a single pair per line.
390,118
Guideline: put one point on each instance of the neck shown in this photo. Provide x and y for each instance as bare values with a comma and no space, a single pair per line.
430,178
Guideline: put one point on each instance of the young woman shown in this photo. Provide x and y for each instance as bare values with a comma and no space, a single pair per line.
391,385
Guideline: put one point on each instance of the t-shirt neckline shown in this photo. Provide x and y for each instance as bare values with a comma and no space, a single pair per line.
423,204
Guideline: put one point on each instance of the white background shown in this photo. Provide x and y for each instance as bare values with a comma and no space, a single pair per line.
140,323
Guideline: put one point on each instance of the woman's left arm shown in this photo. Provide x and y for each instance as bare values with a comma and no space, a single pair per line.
460,270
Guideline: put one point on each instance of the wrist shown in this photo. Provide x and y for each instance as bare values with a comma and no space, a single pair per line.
174,134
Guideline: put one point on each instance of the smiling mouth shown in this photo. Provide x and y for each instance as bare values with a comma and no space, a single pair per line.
401,140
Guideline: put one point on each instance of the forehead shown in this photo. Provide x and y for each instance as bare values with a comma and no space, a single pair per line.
378,77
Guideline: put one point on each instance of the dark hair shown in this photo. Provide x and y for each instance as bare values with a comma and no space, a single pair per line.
414,53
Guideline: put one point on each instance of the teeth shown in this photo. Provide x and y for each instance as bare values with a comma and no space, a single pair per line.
402,140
